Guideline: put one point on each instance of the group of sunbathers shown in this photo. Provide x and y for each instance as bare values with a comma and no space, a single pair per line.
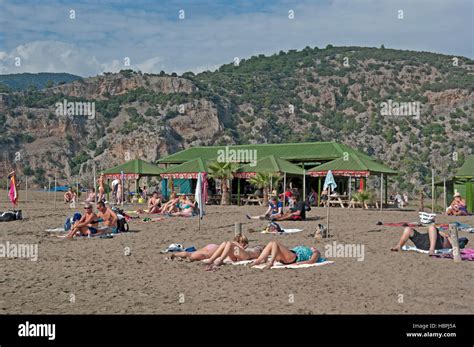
275,212
238,249
181,206
88,225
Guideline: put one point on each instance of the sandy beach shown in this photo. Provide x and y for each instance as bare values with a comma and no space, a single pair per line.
127,274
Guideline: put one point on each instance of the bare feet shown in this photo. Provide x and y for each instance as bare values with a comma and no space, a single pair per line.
218,261
431,252
207,261
395,249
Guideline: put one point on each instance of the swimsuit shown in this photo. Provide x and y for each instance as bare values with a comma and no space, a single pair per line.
92,230
302,253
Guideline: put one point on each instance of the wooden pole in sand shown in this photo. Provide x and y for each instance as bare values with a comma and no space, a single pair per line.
432,191
304,186
26,188
445,203
284,189
77,191
49,189
95,187
453,236
237,228
381,192
55,190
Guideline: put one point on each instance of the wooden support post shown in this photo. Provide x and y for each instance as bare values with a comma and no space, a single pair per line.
453,236
237,228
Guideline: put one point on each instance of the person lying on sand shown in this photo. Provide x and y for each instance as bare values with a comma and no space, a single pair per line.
457,207
154,203
108,217
275,209
278,252
431,241
201,254
86,226
297,212
236,250
186,208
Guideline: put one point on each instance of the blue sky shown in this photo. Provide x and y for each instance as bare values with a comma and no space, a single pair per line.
212,33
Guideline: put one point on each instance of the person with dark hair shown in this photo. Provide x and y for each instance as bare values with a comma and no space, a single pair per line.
108,217
275,208
431,241
297,212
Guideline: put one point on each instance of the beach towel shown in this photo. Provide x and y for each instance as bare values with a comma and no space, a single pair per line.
284,231
415,249
278,265
466,254
56,230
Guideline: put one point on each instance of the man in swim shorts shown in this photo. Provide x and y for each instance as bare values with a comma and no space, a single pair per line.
87,225
430,241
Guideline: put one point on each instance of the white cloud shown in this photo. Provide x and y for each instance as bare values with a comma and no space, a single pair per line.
102,35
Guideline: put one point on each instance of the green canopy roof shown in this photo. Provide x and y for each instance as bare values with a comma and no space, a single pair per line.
467,169
269,165
351,165
189,169
134,167
306,151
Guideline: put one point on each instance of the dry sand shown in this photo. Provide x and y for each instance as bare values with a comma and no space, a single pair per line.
105,280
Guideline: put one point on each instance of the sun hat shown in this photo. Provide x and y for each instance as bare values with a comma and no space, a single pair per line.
457,195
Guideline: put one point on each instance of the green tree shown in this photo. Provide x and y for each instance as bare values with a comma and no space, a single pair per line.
223,171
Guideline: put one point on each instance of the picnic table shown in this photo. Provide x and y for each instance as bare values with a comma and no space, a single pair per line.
252,199
335,200
214,199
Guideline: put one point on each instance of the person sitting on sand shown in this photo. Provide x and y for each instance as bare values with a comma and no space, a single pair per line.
90,196
171,205
430,241
69,196
86,226
298,212
275,209
154,203
186,208
236,250
458,206
278,252
108,217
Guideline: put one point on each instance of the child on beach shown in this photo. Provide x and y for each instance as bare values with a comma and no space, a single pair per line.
274,210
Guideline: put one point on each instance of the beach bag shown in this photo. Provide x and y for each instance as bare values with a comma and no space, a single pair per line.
274,228
7,216
122,225
71,220
427,218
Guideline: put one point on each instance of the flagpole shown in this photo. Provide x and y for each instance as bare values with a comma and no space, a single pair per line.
95,190
381,192
26,188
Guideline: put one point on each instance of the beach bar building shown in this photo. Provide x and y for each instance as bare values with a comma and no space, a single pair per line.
307,156
462,182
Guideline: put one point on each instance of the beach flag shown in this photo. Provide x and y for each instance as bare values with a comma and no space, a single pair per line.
13,194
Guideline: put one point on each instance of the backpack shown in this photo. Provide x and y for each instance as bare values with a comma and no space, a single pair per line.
122,225
7,216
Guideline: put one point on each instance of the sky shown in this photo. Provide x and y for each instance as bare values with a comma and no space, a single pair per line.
180,36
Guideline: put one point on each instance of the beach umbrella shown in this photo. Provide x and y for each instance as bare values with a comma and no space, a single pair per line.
329,184
200,194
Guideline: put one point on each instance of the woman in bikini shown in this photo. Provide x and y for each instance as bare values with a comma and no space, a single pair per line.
186,208
236,250
278,252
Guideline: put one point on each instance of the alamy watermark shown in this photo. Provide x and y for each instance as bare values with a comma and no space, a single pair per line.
19,250
73,109
393,108
340,250
230,155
